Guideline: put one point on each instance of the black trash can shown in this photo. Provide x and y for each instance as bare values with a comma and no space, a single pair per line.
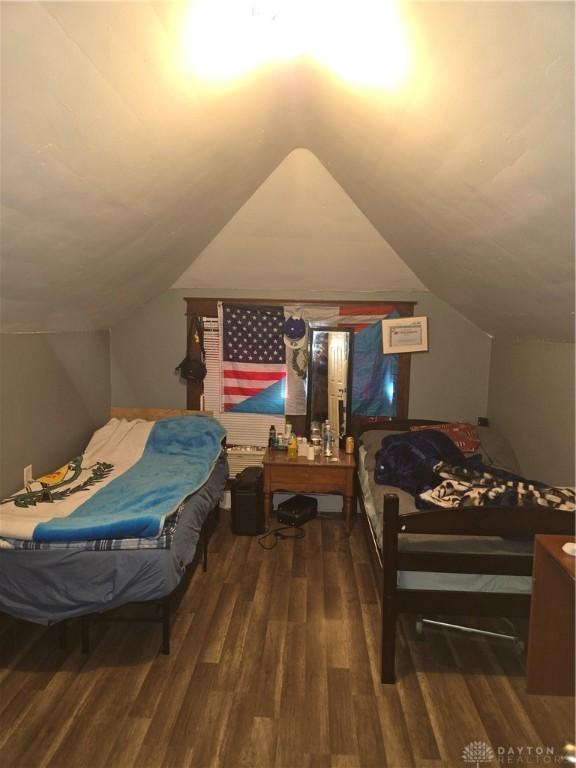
248,502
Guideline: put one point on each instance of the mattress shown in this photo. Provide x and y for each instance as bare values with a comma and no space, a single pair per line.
373,497
49,585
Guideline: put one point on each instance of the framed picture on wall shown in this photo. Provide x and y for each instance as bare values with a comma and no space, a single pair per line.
404,334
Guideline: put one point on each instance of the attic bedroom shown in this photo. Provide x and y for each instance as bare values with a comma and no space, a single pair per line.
181,585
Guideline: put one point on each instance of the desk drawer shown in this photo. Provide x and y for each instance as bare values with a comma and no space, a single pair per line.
312,479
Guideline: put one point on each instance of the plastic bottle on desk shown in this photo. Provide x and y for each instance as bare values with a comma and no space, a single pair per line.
328,441
272,437
293,447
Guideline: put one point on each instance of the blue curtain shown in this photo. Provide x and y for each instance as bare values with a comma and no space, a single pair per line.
374,374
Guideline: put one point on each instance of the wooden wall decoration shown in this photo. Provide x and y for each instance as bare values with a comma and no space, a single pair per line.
208,307
153,414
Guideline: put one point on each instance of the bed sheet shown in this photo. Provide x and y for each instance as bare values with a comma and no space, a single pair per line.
373,497
49,585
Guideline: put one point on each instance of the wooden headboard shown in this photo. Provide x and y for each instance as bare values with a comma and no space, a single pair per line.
153,414
365,423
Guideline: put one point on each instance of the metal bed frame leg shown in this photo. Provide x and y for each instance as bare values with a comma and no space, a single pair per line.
165,607
212,517
389,612
62,634
85,633
166,626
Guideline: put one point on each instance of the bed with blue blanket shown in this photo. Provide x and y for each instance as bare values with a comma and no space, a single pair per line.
450,534
118,524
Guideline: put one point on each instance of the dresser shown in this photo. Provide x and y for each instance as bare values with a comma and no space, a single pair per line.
550,667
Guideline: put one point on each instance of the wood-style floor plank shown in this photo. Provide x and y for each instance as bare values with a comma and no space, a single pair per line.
274,664
341,713
414,709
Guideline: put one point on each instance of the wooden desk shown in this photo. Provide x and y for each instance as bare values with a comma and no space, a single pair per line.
304,476
550,667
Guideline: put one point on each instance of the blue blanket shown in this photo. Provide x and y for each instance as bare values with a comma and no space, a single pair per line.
177,460
414,462
407,460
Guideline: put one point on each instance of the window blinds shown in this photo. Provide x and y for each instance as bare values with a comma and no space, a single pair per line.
247,433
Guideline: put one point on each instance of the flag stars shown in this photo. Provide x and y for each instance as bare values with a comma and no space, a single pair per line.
254,335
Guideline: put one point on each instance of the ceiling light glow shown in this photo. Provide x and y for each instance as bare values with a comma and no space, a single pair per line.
362,41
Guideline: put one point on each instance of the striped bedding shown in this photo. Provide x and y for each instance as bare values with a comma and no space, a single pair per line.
163,541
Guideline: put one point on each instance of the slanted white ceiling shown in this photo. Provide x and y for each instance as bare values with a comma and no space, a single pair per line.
117,172
301,233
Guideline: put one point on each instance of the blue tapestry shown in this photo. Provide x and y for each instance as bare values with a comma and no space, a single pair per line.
374,374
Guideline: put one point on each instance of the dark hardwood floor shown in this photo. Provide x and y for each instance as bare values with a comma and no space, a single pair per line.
274,664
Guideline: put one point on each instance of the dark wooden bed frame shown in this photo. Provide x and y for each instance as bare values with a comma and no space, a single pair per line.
477,521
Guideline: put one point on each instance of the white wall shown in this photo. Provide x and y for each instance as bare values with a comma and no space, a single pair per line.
144,351
54,392
450,381
531,402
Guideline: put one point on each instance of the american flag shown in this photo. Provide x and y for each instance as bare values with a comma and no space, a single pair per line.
356,316
253,359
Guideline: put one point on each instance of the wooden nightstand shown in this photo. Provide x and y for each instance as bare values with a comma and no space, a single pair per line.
550,668
304,476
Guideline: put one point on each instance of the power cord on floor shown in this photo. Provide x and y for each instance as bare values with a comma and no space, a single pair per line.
277,533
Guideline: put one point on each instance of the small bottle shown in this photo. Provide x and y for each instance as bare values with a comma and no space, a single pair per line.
293,447
328,441
272,437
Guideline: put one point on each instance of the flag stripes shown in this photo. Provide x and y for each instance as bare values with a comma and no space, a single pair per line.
244,430
253,358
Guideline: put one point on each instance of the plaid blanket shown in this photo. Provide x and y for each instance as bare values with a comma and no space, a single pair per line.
164,541
464,486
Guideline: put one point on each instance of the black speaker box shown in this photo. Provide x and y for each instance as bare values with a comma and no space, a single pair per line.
297,510
248,502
